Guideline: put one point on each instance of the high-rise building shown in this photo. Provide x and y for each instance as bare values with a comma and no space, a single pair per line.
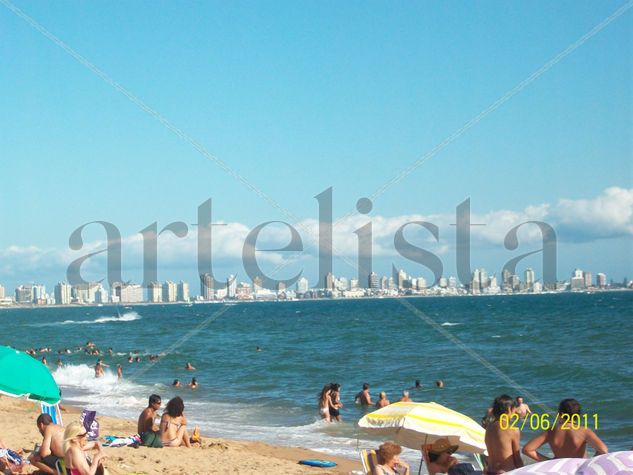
443,282
384,283
372,281
183,291
475,285
505,279
421,283
206,286
2,295
63,293
587,277
353,284
101,296
155,292
231,287
85,293
302,285
402,277
601,280
529,279
170,291
39,294
577,280
24,294
329,281
130,293
258,284
452,282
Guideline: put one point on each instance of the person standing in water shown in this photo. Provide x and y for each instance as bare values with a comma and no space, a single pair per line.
119,372
324,403
335,402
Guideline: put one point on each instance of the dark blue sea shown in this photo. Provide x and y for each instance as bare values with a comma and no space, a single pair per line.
542,347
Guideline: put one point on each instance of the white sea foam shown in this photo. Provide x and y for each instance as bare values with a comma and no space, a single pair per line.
450,324
125,317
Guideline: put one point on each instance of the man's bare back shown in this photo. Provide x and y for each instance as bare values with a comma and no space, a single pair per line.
56,434
504,448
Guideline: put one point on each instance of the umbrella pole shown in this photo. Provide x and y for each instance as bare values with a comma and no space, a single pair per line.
426,436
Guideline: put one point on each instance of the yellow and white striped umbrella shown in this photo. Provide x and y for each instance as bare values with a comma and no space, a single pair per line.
414,424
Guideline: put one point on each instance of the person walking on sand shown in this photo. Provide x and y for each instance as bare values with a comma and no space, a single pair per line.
504,446
563,439
173,424
363,397
382,401
324,402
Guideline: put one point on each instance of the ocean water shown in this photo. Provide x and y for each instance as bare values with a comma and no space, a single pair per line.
552,346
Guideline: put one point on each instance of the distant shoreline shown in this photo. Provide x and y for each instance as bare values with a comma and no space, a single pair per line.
320,299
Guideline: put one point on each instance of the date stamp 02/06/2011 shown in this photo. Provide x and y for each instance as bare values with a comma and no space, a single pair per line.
536,422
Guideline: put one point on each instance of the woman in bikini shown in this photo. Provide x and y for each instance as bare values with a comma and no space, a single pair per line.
75,447
335,402
173,424
324,403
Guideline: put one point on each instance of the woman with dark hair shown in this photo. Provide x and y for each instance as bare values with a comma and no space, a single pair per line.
335,402
173,424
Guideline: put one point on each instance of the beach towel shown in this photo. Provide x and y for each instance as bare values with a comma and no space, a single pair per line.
14,461
88,420
115,441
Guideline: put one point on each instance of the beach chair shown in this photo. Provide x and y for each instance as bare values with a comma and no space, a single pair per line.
53,411
369,459
61,467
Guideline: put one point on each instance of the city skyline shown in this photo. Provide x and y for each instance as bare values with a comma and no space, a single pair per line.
399,284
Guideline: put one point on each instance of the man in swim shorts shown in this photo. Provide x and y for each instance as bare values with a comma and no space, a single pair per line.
52,447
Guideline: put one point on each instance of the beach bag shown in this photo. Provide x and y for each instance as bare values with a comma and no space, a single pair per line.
195,437
90,423
151,439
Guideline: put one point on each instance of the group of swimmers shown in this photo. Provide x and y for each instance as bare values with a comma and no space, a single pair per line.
329,400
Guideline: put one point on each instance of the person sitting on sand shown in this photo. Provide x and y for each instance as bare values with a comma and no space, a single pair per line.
173,424
189,366
563,439
75,448
389,455
440,456
504,445
176,383
363,397
324,403
382,401
52,447
522,409
146,419
405,396
193,384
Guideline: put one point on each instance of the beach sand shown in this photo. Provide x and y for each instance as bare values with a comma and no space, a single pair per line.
18,430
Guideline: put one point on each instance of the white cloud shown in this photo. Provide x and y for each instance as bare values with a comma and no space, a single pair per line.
609,215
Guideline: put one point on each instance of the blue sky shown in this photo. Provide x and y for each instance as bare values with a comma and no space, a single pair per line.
300,96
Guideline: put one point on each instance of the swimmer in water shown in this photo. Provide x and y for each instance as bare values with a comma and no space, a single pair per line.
189,366
193,384
440,384
176,383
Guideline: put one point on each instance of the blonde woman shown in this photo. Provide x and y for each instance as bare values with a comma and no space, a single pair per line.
75,448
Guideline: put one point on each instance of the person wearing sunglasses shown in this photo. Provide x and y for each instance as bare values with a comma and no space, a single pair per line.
75,448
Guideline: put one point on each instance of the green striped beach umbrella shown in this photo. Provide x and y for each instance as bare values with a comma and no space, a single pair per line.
22,375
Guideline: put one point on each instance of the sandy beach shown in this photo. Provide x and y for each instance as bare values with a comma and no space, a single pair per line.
18,431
